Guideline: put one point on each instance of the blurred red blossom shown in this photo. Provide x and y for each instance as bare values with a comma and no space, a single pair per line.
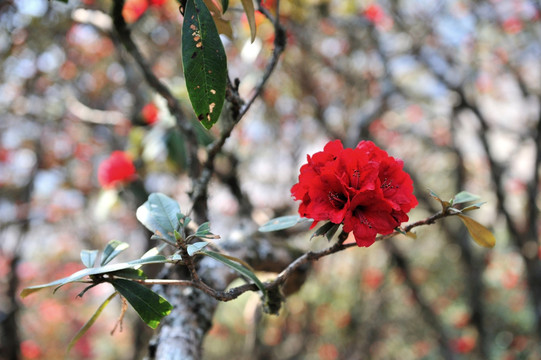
374,13
30,350
117,169
464,344
363,188
150,113
133,9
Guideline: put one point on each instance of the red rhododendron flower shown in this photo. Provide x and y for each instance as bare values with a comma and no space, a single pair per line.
116,169
364,189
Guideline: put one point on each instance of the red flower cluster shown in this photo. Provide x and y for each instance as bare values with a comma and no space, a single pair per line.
116,169
363,188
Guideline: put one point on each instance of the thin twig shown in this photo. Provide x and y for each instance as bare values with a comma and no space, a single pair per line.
310,256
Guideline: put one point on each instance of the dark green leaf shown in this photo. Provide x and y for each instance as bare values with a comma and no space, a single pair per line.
159,215
237,267
225,5
322,230
129,274
81,294
204,61
90,321
329,235
112,249
196,247
150,306
88,257
176,148
283,222
463,197
77,276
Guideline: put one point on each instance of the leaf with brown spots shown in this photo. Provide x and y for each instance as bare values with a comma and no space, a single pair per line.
204,61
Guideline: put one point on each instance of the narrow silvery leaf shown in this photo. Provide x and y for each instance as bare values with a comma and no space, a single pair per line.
112,249
282,222
196,247
463,197
88,257
90,322
79,275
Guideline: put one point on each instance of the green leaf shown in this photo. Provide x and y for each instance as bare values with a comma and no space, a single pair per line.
88,257
282,222
248,6
196,247
130,274
203,229
322,230
159,215
463,197
204,61
112,249
237,267
473,206
90,321
329,235
225,5
150,306
175,257
478,232
77,276
176,148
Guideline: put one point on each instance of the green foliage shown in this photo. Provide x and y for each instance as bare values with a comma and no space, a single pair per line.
89,272
90,321
237,265
328,230
88,257
112,249
150,306
196,247
464,197
282,222
159,214
204,61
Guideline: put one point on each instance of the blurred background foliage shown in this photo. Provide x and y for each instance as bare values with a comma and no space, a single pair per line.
452,87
